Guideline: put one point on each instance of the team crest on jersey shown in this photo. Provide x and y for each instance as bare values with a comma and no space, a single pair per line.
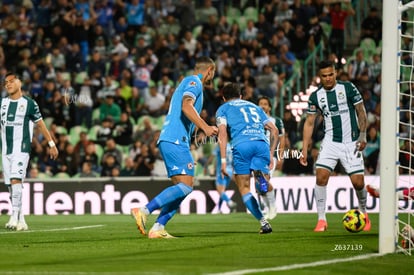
341,95
190,166
21,108
193,83
20,163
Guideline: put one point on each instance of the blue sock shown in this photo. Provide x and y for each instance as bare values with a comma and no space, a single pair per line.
252,205
168,211
169,195
224,197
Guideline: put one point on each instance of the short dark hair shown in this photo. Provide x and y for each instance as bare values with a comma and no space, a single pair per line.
12,73
326,64
231,90
267,99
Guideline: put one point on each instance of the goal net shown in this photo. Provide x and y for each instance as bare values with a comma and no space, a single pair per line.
405,131
397,125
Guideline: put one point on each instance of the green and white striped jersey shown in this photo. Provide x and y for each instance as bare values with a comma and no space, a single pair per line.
338,109
17,118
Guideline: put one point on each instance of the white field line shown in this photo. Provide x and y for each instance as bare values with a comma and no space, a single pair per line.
298,266
54,229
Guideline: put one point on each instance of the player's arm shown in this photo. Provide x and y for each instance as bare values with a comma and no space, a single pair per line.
362,123
222,141
191,113
274,137
45,132
307,135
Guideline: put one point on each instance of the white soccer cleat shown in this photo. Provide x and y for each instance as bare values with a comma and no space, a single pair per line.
22,226
11,224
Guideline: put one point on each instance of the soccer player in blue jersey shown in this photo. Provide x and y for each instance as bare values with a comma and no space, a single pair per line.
345,122
243,124
18,116
174,144
269,198
223,181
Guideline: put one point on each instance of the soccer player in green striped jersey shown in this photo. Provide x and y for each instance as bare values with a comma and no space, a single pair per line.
345,121
18,115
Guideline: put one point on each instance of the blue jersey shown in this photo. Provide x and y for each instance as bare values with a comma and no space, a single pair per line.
177,127
244,120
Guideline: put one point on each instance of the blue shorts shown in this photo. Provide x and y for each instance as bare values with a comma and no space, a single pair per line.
252,155
177,158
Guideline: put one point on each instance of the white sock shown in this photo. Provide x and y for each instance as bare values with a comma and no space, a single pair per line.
271,198
16,199
157,226
362,199
265,200
320,197
145,210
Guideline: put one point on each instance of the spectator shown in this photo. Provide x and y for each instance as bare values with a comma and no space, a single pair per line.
87,171
123,130
337,36
108,165
371,151
111,149
371,26
144,162
84,103
267,82
104,132
91,158
129,168
68,161
136,104
109,109
154,102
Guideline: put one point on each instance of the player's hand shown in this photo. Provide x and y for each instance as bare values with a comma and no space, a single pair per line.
361,142
211,131
272,163
223,170
304,158
54,153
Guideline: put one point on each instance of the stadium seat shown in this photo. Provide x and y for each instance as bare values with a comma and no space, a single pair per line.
95,116
80,77
197,31
62,175
326,27
251,13
48,121
92,132
242,21
233,12
99,152
42,175
74,133
61,130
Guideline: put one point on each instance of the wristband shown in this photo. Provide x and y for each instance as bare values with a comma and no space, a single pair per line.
51,144
223,160
362,135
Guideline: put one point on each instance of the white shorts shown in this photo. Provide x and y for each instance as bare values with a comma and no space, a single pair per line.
15,166
332,152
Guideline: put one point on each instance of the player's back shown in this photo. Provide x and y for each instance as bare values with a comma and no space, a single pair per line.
177,127
245,121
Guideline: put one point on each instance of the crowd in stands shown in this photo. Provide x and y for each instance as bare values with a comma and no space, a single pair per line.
103,71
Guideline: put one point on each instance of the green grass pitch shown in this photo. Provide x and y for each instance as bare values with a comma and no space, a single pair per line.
206,244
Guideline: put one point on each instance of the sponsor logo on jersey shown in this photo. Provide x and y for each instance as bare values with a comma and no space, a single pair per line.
193,83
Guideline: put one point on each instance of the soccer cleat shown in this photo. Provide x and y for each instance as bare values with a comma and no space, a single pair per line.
11,224
367,226
265,229
321,226
159,234
140,219
22,226
372,191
